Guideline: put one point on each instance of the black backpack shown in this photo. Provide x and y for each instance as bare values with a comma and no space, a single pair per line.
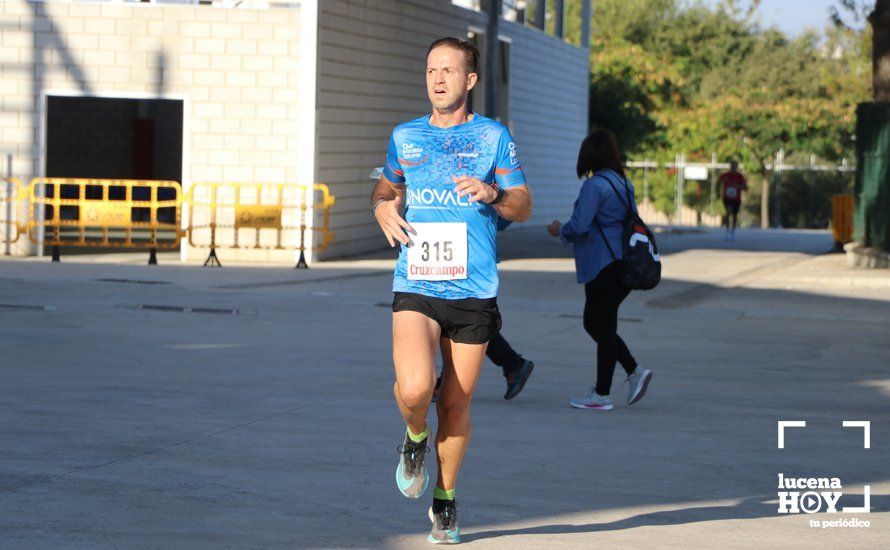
640,262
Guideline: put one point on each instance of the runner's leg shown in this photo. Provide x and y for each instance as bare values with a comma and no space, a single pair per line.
415,338
461,368
502,354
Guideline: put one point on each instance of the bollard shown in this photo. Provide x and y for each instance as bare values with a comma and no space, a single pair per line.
212,259
153,257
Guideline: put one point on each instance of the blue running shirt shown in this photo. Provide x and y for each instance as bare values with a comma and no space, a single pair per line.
426,159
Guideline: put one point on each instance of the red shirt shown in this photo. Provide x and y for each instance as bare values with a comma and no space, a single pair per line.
733,185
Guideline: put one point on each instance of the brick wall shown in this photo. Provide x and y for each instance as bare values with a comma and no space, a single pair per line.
238,71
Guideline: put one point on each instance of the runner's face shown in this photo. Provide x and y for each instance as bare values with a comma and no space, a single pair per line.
447,79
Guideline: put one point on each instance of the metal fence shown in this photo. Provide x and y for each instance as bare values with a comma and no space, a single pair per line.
147,214
708,209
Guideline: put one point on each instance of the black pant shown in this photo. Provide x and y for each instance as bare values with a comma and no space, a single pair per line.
604,295
501,354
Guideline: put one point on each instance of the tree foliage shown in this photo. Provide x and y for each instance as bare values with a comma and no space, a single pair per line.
672,76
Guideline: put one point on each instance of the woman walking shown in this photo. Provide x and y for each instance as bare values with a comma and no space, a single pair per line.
595,233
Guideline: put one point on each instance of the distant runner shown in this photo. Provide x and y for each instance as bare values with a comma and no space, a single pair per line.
732,183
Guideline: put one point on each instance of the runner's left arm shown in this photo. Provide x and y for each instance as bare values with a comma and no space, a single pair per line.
515,203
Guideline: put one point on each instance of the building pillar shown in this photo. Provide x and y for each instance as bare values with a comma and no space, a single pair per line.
560,18
585,23
492,63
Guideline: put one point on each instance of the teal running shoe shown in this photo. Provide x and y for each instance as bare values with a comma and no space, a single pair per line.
445,529
411,476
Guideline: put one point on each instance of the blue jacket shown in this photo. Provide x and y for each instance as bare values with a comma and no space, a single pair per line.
597,200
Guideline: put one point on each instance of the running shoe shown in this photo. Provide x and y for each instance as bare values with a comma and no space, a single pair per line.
436,390
516,378
593,401
411,476
445,529
638,381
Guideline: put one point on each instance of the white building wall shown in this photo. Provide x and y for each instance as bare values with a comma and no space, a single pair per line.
371,58
548,116
237,69
370,77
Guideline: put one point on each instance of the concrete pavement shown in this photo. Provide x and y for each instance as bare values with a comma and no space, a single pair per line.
244,407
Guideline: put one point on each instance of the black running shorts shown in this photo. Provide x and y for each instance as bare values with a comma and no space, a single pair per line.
732,207
466,321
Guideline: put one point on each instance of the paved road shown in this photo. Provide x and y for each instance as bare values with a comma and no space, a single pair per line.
177,406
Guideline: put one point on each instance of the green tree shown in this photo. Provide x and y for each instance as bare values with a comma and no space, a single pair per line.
670,76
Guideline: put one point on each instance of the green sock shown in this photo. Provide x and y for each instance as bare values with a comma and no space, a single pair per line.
442,494
420,437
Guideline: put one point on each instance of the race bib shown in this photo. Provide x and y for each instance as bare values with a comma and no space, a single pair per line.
439,252
732,193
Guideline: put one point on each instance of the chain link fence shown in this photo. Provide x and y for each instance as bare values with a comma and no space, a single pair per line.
686,192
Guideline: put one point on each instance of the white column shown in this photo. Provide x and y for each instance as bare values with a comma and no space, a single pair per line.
309,14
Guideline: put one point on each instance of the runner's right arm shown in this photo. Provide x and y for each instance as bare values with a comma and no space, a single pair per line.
388,198
386,202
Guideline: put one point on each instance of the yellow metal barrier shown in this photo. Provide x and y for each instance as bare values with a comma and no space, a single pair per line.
10,211
105,213
273,216
842,213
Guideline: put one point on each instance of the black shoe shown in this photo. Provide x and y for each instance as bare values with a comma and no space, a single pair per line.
516,379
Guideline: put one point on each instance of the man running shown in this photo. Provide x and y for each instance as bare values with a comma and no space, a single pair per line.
732,183
515,367
456,171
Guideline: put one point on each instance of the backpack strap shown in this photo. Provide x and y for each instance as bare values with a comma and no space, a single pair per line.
628,204
600,227
605,240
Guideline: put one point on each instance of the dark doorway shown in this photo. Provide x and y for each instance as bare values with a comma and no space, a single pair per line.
114,138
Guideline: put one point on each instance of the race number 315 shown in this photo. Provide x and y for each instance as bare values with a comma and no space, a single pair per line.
439,252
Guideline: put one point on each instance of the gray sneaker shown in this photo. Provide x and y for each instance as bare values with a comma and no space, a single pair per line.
445,529
592,401
638,382
411,476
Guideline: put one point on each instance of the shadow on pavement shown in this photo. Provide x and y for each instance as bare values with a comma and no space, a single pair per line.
748,508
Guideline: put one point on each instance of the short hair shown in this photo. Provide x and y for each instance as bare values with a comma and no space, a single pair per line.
469,51
599,151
